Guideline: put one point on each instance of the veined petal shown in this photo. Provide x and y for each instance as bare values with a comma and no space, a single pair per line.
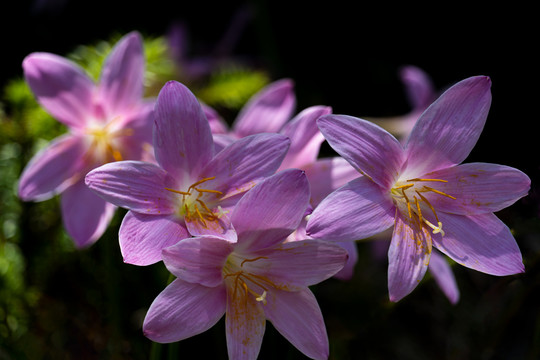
408,257
305,136
221,226
480,242
297,316
450,127
297,264
183,141
246,162
245,323
61,87
121,82
477,188
85,215
49,170
183,310
267,110
271,211
142,237
134,185
198,260
348,269
367,147
355,211
444,276
139,123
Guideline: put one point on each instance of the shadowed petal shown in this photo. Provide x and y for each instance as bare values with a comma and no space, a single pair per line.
348,270
121,81
61,87
142,237
134,185
355,211
85,215
183,141
366,146
480,242
444,276
183,310
408,258
419,87
450,127
267,110
297,316
49,170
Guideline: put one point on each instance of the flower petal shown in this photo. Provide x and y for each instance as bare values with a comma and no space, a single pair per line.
61,87
480,242
85,215
305,136
220,226
138,123
477,188
418,86
443,275
348,269
448,130
121,81
355,211
267,110
367,147
198,260
408,258
134,185
142,237
49,170
297,316
261,220
183,310
183,141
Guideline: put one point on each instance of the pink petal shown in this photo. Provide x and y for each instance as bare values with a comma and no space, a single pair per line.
139,123
198,260
419,87
50,170
121,82
221,227
271,211
444,276
85,215
477,188
448,130
480,242
408,258
366,146
217,124
183,142
355,211
142,237
183,310
348,269
134,185
297,316
61,87
267,110
305,136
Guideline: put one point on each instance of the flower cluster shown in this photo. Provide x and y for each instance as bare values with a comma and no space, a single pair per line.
248,217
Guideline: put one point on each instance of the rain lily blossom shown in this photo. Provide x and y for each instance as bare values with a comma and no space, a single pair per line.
424,191
257,278
191,190
107,121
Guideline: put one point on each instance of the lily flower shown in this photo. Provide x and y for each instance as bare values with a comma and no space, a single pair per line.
191,190
257,278
107,121
424,191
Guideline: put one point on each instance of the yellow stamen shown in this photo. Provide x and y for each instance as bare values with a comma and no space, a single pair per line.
418,179
439,192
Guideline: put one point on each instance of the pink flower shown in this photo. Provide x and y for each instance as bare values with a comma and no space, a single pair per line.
257,278
423,191
191,190
107,121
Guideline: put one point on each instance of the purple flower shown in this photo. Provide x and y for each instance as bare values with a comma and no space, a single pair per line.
257,278
191,190
423,191
107,121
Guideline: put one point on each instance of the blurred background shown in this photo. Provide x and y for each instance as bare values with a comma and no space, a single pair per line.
57,302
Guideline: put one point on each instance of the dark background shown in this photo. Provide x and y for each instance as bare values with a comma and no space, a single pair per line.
345,55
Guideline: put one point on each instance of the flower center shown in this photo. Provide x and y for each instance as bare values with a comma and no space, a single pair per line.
408,194
245,283
193,205
104,145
